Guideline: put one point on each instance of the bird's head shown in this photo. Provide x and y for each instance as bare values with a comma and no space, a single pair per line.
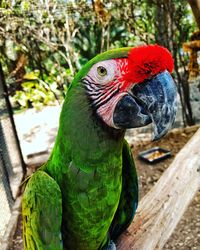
132,87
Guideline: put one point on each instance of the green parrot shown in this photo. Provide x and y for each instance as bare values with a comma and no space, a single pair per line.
86,194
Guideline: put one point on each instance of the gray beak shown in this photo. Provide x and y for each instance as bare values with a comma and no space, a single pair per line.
154,100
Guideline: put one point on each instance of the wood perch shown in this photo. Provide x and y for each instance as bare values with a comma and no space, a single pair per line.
161,209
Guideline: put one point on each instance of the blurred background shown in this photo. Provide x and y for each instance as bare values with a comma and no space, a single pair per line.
44,43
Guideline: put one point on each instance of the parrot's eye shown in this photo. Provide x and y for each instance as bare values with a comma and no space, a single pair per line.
101,71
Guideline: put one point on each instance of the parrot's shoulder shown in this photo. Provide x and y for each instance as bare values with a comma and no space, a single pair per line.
41,179
127,150
129,172
129,194
42,212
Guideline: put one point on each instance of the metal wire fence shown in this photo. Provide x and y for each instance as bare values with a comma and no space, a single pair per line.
11,161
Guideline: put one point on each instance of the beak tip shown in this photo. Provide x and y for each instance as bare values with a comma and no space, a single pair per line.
160,130
157,137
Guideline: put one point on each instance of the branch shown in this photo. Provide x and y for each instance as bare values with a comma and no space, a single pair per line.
162,208
195,6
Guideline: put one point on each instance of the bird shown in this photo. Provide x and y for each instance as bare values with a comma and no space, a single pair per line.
86,194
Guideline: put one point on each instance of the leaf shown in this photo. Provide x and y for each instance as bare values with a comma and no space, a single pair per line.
32,75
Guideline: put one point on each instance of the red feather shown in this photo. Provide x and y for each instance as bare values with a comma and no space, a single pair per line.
146,61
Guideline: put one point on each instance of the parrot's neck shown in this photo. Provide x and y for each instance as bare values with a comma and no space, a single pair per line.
83,138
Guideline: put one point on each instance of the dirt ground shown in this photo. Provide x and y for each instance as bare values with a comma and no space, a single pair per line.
187,234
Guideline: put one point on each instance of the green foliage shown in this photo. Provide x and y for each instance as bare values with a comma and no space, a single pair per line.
36,92
58,37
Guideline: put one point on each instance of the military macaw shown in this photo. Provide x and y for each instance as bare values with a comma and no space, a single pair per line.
86,194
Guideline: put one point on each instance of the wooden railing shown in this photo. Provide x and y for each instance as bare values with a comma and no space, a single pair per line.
161,209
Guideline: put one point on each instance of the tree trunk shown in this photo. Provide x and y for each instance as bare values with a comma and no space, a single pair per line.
166,27
195,6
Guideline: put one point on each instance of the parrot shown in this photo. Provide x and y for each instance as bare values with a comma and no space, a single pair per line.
86,194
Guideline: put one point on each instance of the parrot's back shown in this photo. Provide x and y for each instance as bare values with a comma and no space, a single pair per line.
91,178
90,202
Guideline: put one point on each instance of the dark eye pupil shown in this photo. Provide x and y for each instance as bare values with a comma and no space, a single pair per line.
102,71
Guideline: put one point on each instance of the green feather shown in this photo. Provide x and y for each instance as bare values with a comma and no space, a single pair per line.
42,202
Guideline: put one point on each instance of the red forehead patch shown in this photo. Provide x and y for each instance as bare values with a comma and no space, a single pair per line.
146,61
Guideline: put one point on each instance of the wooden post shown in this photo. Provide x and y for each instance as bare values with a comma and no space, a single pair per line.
162,208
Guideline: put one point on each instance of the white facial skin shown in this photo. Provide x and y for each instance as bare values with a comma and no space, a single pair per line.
103,72
103,83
